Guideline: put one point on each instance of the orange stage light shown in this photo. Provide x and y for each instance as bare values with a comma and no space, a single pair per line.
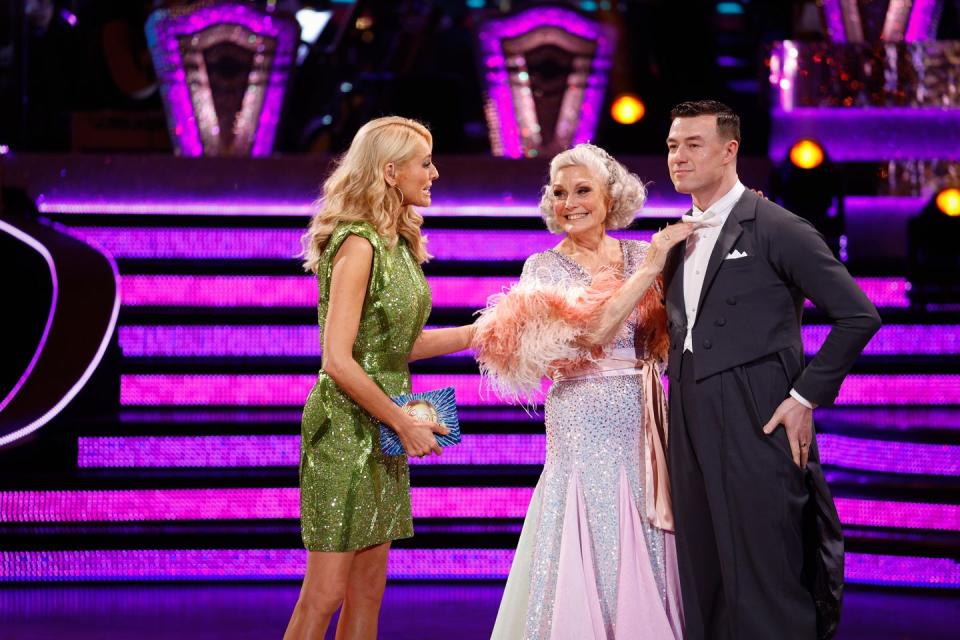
627,109
806,154
948,201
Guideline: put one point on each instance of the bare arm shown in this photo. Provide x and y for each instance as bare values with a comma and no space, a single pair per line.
621,304
348,287
439,342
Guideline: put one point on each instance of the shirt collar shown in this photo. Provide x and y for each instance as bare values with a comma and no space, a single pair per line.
725,204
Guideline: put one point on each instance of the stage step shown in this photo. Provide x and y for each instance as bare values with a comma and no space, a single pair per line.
195,478
446,563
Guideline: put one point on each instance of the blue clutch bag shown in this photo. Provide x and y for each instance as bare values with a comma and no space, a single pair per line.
439,405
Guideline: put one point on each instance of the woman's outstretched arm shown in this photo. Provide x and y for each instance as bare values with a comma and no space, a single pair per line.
618,308
439,342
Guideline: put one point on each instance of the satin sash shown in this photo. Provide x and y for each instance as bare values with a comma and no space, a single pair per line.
623,362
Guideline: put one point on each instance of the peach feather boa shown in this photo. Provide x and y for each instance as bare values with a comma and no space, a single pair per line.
535,330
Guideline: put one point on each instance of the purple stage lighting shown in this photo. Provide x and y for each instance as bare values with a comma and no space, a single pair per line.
268,390
480,449
72,392
905,20
68,17
184,41
136,505
884,292
189,341
894,420
904,515
923,21
889,456
301,291
896,340
164,505
196,244
237,564
182,207
111,565
869,134
284,417
188,416
900,390
283,451
511,110
869,207
292,390
901,571
508,208
37,246
284,291
833,13
189,451
281,244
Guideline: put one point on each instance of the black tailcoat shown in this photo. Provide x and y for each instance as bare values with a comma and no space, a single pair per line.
739,500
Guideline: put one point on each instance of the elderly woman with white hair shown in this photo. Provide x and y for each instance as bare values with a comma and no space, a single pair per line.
595,558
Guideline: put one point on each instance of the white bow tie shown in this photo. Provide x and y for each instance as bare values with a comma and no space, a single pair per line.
704,220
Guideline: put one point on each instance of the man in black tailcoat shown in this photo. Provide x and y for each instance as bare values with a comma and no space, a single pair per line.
741,395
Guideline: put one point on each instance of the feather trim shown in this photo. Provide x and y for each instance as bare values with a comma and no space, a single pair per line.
537,328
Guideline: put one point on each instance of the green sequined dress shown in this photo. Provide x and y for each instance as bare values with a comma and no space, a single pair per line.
351,495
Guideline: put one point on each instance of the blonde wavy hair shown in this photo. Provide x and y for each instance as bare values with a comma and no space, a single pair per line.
626,191
357,190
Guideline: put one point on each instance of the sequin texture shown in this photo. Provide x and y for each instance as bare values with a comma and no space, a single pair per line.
594,430
351,495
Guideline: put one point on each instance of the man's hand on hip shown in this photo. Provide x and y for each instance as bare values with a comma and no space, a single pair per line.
798,422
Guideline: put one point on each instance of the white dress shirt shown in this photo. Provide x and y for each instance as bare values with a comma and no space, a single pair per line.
699,246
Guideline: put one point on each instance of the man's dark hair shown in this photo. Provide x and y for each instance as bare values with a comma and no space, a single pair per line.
728,123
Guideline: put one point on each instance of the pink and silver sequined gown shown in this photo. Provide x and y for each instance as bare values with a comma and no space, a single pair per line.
589,566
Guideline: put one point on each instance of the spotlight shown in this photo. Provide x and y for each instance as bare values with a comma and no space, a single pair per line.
312,24
808,184
628,109
68,17
933,259
729,8
806,154
948,201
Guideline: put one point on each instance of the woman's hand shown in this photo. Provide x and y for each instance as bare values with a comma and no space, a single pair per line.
622,303
418,438
663,241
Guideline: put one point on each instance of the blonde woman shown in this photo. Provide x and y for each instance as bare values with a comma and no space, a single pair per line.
365,246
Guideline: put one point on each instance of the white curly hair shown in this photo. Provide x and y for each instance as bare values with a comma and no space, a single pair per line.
627,193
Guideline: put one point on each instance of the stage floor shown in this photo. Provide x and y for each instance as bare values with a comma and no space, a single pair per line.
410,612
